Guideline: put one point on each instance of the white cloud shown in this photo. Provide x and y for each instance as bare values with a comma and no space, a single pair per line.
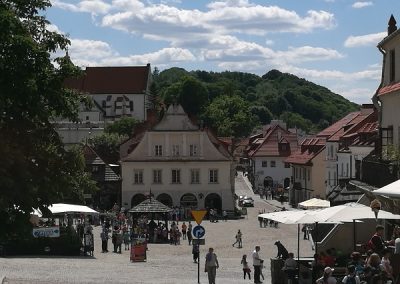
228,3
308,53
362,4
88,6
359,95
364,40
269,42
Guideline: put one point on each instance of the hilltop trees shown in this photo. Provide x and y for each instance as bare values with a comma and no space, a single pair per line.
35,169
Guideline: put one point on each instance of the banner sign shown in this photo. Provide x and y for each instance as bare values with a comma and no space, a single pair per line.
48,232
138,250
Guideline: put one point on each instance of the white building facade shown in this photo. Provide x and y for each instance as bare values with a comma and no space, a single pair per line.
179,164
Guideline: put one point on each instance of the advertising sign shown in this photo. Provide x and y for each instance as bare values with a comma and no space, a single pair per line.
48,232
138,250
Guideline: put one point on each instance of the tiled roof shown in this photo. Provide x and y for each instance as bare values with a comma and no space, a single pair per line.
91,157
112,80
150,205
369,127
309,149
389,88
331,130
110,175
269,145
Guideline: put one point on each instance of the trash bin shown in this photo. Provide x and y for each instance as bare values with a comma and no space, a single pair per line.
277,275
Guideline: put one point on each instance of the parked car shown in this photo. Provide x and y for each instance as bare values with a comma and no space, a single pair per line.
247,202
240,199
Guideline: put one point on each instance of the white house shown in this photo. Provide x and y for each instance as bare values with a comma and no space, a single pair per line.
268,154
116,92
179,163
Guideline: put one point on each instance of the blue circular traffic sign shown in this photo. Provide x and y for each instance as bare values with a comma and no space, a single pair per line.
199,231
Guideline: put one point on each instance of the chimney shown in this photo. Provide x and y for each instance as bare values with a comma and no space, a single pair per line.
392,25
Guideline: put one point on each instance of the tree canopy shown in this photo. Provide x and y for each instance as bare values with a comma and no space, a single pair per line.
35,169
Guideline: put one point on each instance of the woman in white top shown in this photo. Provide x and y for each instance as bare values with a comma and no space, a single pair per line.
327,277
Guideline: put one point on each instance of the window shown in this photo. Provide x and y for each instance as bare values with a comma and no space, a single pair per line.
392,65
296,174
103,104
138,176
175,150
264,164
87,117
287,165
176,176
387,136
329,178
309,175
95,169
193,150
194,176
273,164
158,150
131,106
157,178
213,178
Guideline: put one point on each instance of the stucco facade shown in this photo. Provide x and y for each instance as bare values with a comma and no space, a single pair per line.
180,164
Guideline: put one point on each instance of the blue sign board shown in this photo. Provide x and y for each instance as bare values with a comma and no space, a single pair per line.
199,231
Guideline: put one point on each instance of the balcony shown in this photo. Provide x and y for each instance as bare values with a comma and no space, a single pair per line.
376,172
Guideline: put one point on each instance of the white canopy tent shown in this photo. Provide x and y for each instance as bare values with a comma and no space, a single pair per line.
71,208
390,190
314,203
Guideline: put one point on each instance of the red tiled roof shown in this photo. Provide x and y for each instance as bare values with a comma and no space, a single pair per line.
331,130
389,88
112,80
369,127
270,143
309,149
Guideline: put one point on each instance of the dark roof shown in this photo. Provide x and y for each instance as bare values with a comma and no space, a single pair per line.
150,205
110,175
308,150
92,158
112,80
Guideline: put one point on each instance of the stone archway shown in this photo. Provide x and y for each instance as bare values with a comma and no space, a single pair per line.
165,199
189,200
268,182
137,198
213,201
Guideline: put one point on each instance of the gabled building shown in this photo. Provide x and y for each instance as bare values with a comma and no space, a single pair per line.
268,154
179,163
116,92
107,180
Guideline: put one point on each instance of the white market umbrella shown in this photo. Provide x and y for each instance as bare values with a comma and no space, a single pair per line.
314,203
390,190
70,208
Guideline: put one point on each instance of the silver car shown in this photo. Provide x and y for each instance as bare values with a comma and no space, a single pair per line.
247,202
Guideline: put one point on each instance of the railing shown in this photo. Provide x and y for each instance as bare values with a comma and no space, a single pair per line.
377,173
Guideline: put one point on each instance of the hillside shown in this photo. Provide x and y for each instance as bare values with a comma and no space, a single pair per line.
274,95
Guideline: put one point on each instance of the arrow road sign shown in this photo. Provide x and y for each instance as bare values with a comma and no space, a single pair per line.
199,231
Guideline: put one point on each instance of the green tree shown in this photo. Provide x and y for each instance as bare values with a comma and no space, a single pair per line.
107,146
122,127
230,116
35,169
193,95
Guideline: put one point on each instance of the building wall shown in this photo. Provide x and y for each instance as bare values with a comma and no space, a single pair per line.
75,135
331,165
277,173
176,191
393,44
318,175
390,112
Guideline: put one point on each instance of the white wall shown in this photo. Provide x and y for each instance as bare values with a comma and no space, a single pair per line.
277,173
390,113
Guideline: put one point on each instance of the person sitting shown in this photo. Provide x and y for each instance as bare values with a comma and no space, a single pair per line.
386,266
327,278
357,262
373,270
351,277
282,251
290,267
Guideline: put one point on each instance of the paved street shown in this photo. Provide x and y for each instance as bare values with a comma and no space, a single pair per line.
165,263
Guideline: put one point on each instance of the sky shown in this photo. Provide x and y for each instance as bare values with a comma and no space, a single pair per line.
328,42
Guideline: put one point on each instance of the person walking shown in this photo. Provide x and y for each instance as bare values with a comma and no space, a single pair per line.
238,239
104,240
211,265
189,234
257,262
184,229
225,215
246,268
195,252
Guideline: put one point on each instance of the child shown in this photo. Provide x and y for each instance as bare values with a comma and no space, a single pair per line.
351,276
246,268
127,239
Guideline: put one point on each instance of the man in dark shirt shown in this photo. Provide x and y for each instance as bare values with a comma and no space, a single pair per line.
376,243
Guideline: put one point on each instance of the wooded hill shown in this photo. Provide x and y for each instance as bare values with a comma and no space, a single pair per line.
234,103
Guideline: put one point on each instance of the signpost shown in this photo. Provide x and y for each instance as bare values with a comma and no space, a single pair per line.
47,232
198,232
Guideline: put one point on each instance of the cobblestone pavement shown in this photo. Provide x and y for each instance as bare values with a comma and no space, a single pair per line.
165,263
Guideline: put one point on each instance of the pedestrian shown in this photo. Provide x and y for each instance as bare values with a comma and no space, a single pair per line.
304,229
257,262
260,220
290,267
246,268
211,265
104,240
195,252
119,241
114,240
327,277
184,229
127,239
225,215
238,239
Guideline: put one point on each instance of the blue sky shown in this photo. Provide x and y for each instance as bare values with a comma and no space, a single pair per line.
329,42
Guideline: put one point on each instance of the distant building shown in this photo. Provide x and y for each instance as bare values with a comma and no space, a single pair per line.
179,163
116,92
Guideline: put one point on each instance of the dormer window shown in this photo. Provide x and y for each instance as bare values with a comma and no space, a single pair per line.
392,66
